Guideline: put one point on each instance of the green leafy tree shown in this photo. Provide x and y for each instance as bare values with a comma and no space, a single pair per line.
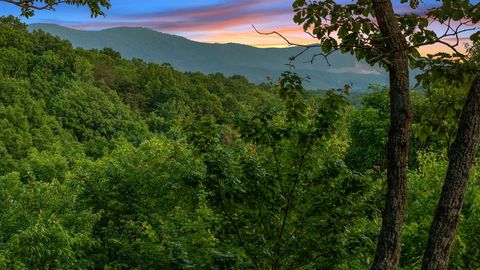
462,151
425,187
44,225
272,192
371,30
28,7
153,208
368,132
438,112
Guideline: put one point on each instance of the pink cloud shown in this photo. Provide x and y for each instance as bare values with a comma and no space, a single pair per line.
231,22
214,23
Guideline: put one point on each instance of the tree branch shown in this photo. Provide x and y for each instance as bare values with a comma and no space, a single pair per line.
310,46
30,5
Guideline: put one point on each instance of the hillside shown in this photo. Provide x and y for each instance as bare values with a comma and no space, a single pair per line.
254,63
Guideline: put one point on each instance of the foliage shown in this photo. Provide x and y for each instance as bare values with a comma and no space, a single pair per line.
44,225
351,28
368,132
108,163
439,112
424,188
271,188
28,7
152,205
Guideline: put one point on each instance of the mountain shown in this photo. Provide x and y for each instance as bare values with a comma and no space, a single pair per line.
257,64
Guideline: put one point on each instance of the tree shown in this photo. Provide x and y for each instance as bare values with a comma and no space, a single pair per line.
461,157
367,149
274,194
28,7
371,30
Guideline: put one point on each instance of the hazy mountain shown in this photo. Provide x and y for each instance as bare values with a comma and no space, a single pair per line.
254,63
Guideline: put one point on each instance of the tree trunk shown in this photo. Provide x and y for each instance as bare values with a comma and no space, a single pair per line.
388,248
460,157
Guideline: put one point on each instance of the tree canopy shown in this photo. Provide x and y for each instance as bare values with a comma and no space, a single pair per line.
109,163
373,31
28,7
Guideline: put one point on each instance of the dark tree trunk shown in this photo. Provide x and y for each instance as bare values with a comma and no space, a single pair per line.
460,157
388,248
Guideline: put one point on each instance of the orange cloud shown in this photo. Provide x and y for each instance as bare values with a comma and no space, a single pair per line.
231,22
437,48
249,36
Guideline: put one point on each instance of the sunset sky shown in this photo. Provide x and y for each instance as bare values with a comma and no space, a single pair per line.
219,21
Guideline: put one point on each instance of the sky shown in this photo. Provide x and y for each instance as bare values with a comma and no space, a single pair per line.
213,21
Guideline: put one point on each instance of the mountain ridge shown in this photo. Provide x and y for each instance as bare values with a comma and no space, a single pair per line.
256,64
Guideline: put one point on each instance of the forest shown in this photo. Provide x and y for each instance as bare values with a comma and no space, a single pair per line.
109,163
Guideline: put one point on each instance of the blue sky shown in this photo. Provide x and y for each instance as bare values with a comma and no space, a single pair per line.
202,20
206,20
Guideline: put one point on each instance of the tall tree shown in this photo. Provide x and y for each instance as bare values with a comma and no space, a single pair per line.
371,30
388,247
461,157
28,7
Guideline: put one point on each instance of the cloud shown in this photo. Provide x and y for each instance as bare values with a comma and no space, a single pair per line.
437,48
293,33
173,24
229,9
204,18
357,69
224,22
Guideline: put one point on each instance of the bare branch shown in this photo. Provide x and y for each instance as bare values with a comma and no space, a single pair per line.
455,33
308,47
305,47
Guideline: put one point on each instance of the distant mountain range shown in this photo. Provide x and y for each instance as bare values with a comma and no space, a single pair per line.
257,64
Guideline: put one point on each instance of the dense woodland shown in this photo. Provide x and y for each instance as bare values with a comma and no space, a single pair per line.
109,163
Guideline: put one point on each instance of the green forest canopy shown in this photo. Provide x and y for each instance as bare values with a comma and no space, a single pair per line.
109,163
